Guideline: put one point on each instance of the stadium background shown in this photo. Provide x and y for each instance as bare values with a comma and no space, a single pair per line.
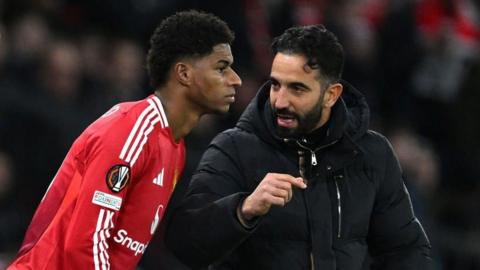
63,63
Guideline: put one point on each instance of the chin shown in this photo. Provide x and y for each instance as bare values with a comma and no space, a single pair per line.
287,133
221,110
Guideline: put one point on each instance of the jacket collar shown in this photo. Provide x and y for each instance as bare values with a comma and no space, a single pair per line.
349,118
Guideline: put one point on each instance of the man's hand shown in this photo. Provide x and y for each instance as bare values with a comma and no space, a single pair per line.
274,189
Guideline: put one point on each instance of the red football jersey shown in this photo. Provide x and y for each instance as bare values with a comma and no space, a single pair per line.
109,195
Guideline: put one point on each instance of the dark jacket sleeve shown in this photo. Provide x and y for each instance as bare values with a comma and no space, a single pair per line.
396,238
204,228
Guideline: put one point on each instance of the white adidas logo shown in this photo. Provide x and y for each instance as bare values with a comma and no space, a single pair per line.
159,179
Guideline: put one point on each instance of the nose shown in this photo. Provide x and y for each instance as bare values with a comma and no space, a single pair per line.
235,80
280,98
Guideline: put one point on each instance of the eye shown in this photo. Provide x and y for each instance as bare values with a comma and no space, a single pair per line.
274,84
221,70
298,88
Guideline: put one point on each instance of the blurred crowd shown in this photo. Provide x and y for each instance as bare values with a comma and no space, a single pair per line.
65,62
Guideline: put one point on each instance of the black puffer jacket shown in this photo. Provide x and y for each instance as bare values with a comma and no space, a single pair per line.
355,204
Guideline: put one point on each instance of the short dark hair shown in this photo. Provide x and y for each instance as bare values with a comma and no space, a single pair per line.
184,34
320,46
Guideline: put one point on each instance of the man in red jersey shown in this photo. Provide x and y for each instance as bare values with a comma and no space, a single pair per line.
110,193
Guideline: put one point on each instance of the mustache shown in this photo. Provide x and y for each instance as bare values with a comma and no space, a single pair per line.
284,113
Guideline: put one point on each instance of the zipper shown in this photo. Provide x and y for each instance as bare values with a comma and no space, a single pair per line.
314,157
314,162
339,207
309,225
301,167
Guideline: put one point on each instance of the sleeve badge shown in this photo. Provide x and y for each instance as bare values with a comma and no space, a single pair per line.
118,177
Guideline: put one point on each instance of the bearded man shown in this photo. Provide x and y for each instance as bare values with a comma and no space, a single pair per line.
300,182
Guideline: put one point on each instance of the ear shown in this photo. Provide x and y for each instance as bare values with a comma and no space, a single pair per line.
332,94
183,73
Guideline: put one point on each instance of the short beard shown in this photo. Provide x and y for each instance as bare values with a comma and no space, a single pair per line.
306,123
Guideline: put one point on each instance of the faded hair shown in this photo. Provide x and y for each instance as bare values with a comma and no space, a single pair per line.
184,34
318,45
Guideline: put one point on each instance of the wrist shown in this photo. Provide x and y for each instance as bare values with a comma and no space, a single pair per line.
246,210
247,220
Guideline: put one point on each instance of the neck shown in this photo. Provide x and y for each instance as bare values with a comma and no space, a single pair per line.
326,112
181,117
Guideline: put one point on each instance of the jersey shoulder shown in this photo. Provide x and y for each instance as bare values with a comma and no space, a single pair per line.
125,127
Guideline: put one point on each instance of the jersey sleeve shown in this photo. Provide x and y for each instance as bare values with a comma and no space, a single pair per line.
102,181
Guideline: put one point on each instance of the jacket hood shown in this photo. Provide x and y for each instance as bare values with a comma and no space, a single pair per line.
350,116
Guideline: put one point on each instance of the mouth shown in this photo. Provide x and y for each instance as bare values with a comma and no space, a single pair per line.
286,121
231,97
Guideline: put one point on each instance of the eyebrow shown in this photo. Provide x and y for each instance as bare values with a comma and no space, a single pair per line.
298,84
292,84
224,62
